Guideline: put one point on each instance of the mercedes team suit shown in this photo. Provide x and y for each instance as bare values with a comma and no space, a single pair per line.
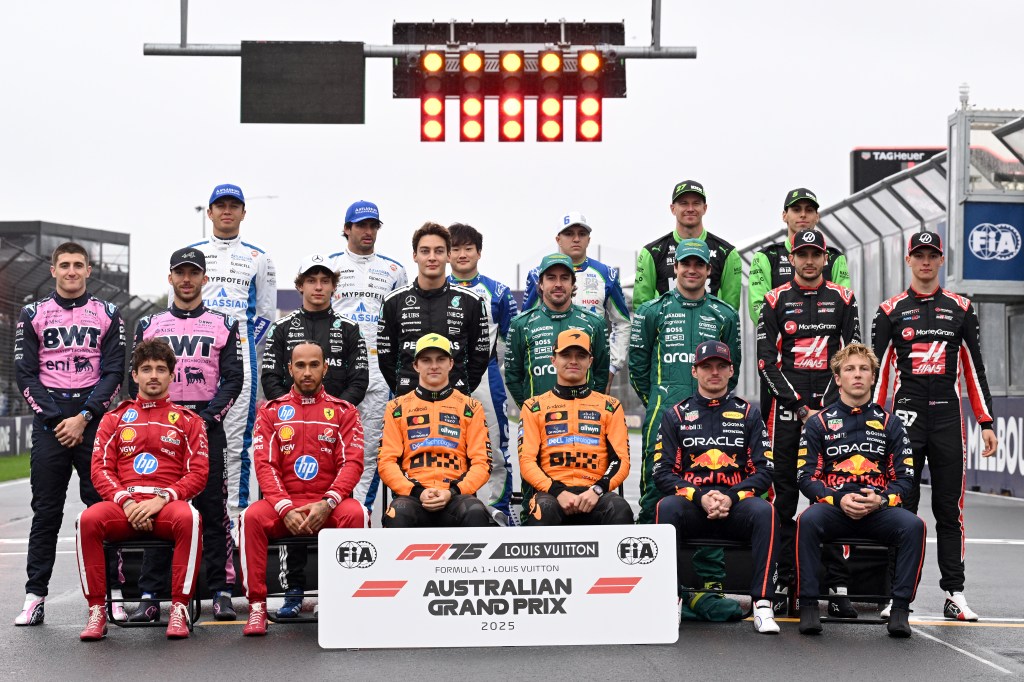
771,269
208,377
69,358
531,341
242,285
456,313
707,444
845,449
656,269
799,330
363,282
305,449
599,291
926,343
665,335
501,308
145,448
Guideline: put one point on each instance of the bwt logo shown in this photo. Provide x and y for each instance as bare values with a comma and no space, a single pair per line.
471,550
356,554
637,551
145,463
306,467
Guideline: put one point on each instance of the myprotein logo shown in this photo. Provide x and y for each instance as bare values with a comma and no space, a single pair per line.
929,358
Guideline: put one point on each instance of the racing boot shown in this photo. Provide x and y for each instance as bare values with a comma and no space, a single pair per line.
899,622
764,618
810,619
884,613
117,606
257,624
179,621
32,612
148,610
780,602
956,607
292,603
96,627
839,605
222,607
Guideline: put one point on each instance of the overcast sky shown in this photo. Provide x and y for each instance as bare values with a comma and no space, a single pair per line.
95,134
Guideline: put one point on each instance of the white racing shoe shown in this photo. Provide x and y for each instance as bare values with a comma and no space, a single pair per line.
956,607
764,618
117,607
32,612
884,613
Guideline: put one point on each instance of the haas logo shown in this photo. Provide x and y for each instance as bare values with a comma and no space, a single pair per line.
929,358
82,364
194,375
811,353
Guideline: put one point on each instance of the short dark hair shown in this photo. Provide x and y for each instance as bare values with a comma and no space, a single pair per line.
301,277
306,342
434,229
153,349
69,247
466,234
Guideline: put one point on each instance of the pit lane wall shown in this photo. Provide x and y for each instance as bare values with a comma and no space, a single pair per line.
15,435
1002,473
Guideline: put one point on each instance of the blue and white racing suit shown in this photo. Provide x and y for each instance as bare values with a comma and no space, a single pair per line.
243,286
501,308
363,282
599,291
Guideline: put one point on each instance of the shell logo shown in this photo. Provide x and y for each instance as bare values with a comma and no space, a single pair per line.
128,434
286,433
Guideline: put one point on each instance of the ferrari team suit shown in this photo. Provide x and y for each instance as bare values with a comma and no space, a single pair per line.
435,439
572,439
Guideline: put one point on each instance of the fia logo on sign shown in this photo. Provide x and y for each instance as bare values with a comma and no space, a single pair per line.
356,554
637,551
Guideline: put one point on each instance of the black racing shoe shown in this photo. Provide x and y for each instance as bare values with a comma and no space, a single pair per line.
810,620
839,605
148,610
222,607
899,623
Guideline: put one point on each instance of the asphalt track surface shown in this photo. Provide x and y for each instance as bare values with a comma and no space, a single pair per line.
939,649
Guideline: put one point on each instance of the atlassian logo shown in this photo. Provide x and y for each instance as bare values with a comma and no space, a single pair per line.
129,416
145,463
285,412
306,467
994,242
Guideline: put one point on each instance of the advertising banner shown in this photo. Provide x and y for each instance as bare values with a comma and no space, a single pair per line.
992,241
1002,473
459,587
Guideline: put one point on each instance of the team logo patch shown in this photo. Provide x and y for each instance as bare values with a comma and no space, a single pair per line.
306,467
909,461
555,416
732,415
418,419
145,463
328,413
908,333
556,429
450,431
875,424
835,424
691,416
434,442
592,429
286,433
790,327
590,415
173,417
128,434
419,433
285,412
448,417
130,416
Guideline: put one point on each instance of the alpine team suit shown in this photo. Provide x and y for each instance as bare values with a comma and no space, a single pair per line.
344,353
435,439
845,449
571,439
656,273
208,377
599,291
771,269
501,307
363,282
799,330
925,343
145,448
306,449
242,285
456,313
531,342
69,357
665,335
707,444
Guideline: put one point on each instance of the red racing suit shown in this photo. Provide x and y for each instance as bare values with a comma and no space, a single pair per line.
145,448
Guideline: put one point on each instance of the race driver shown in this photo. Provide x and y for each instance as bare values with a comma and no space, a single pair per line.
365,277
771,266
927,339
533,334
665,334
655,266
803,323
855,468
242,285
597,290
467,248
308,451
207,379
573,446
149,459
431,305
435,453
712,463
69,359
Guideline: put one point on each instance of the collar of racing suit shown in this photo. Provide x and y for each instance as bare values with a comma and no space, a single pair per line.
225,243
851,409
294,394
571,392
430,293
317,314
433,396
151,404
359,258
683,301
917,294
704,401
183,314
68,303
555,314
465,282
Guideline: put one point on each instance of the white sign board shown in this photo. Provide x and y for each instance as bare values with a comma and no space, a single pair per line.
457,587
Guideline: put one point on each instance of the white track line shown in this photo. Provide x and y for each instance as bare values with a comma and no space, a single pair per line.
979,659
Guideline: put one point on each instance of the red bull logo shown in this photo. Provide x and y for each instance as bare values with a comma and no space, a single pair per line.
714,459
858,465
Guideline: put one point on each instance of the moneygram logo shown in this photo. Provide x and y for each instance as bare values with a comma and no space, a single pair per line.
633,551
356,554
928,358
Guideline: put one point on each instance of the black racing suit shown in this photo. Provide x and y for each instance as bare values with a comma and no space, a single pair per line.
718,444
798,332
843,450
925,342
456,313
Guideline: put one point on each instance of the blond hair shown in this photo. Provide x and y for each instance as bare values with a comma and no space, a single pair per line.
853,349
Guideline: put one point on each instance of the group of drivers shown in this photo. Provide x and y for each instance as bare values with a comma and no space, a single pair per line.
328,433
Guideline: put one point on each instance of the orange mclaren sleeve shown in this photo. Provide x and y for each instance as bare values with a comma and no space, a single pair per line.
392,446
530,420
617,439
478,451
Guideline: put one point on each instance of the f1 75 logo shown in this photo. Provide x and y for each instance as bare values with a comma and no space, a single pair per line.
470,550
929,358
